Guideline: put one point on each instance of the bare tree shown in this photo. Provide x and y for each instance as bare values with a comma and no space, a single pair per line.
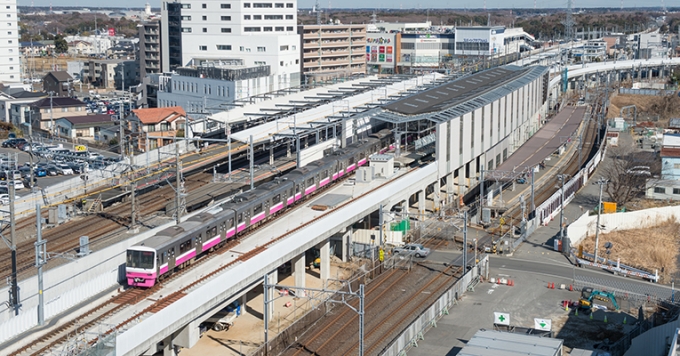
626,180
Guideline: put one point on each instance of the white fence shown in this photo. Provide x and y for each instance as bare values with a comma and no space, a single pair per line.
585,225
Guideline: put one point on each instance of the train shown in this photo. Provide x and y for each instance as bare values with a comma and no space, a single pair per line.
175,247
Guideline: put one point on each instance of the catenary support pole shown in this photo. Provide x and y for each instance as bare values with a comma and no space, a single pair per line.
40,260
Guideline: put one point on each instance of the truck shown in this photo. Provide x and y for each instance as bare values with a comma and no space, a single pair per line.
224,319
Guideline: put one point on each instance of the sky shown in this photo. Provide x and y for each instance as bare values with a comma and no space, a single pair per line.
378,4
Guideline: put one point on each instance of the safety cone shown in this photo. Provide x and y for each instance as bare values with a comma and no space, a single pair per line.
605,318
591,315
571,288
552,286
576,312
624,319
548,285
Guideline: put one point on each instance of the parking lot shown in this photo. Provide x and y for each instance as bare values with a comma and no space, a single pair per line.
23,158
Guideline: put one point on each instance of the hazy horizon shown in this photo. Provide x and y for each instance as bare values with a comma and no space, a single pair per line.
380,4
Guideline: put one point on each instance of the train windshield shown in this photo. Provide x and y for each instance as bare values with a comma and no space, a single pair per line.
140,259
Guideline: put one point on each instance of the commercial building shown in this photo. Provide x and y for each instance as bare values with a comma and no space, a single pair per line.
10,59
424,50
205,88
490,40
332,51
149,48
383,51
257,33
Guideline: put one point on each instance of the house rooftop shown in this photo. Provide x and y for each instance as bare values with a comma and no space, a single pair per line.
58,102
89,119
153,116
60,76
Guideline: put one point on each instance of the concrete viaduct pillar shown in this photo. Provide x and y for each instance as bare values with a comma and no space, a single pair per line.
273,279
422,202
325,270
449,188
299,273
437,191
346,244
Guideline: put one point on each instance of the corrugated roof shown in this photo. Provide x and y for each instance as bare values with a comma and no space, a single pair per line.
496,343
58,102
674,123
60,76
88,119
152,116
671,140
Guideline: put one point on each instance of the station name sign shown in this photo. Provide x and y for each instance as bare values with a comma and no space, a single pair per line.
476,40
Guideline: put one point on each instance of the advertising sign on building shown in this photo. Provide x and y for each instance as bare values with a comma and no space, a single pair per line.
112,31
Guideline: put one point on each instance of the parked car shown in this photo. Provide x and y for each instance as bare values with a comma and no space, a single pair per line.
40,172
77,167
52,170
4,199
25,172
18,184
64,169
12,142
417,250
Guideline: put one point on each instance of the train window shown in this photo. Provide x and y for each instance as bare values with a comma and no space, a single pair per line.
325,173
310,182
276,199
231,223
240,218
297,188
257,209
212,232
351,160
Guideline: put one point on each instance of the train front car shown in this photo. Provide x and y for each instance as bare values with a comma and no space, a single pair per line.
140,266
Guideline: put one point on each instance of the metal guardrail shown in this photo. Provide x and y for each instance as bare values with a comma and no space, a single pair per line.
618,267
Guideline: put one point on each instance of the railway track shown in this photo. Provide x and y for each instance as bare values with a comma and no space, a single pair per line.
335,333
129,297
64,239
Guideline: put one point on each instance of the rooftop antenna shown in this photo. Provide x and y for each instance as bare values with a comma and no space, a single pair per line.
569,22
318,13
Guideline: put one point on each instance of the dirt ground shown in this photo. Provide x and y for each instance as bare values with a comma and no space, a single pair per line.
649,248
648,106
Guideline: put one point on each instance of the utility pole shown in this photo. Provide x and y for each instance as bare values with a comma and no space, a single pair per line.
481,192
51,115
40,261
252,164
179,198
133,214
561,178
465,219
14,290
229,148
601,182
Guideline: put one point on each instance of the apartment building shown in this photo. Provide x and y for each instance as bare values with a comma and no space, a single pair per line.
149,48
10,59
261,33
332,51
111,73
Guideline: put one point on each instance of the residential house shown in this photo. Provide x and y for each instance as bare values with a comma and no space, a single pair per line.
156,124
670,157
80,48
15,104
86,127
58,82
46,110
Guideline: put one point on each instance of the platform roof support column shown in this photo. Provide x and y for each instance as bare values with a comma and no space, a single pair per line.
421,201
273,279
298,264
325,262
343,134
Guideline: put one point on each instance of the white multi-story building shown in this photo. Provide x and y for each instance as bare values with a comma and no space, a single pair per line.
10,60
260,33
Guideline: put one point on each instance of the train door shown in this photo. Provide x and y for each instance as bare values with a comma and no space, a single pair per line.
247,214
230,228
171,259
199,241
266,208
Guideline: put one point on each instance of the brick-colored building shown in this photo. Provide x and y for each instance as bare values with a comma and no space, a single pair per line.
159,122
